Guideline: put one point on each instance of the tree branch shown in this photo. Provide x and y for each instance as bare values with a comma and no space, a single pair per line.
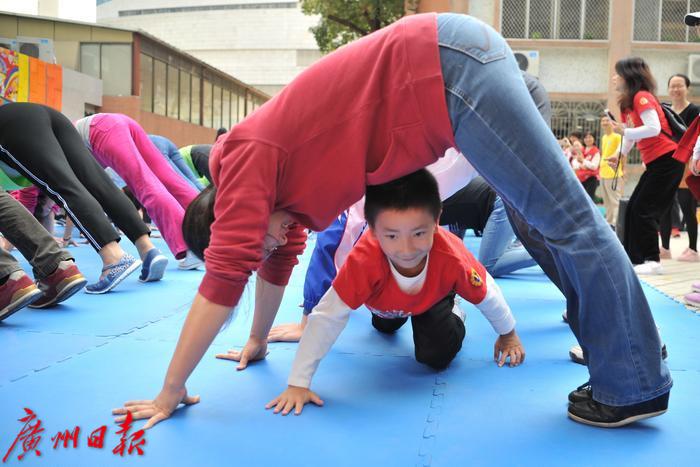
348,24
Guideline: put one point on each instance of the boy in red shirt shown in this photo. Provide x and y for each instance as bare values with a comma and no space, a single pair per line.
405,266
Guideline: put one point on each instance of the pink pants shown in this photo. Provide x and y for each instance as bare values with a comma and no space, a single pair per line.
120,143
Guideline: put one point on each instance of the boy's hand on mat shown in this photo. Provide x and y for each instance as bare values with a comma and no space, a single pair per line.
290,332
156,410
295,398
508,346
255,349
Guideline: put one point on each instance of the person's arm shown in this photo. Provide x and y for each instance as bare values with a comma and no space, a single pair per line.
651,127
268,298
325,323
593,163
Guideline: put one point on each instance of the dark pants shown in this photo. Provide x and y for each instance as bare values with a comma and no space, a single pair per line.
590,185
43,145
31,239
437,334
688,206
650,200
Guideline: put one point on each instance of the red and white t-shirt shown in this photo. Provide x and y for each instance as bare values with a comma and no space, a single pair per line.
651,148
367,278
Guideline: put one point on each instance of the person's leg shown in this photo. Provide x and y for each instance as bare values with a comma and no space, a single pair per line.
689,205
590,185
438,334
665,228
632,239
113,146
606,191
30,145
387,325
521,160
676,221
178,187
30,238
654,199
496,252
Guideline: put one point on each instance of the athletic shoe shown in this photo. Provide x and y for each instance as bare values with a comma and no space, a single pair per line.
115,274
651,268
664,253
190,261
576,353
581,393
591,412
59,286
153,267
695,286
691,256
18,292
675,232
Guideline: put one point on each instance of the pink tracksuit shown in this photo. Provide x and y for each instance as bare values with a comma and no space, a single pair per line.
120,143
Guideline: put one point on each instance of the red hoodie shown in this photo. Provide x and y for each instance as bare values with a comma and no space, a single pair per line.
368,113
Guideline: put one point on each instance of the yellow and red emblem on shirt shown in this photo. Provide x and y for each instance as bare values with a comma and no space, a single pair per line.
475,278
643,101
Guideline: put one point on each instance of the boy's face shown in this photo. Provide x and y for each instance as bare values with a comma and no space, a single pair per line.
405,237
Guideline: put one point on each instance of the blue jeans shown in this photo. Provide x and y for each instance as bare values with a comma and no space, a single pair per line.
497,126
498,252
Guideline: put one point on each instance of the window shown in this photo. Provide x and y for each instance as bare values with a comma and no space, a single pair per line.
234,108
555,19
109,62
146,85
115,69
159,87
226,110
90,59
662,20
173,110
241,105
217,108
207,104
185,83
196,101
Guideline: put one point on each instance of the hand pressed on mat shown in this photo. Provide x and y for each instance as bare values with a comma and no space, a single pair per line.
294,397
155,410
255,349
509,347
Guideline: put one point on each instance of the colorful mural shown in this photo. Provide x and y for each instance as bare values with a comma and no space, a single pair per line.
9,75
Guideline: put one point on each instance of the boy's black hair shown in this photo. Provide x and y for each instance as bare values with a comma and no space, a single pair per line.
196,225
418,190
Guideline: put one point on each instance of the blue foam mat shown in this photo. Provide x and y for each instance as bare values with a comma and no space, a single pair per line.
72,364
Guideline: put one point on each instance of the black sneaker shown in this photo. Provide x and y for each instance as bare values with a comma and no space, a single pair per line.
582,393
594,413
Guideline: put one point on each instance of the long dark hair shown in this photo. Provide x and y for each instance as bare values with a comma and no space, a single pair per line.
196,225
637,76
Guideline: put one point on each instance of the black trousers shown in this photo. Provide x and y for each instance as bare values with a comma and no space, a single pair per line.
42,144
650,199
590,185
437,334
689,206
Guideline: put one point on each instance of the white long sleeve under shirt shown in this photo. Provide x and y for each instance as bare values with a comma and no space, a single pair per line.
331,315
651,128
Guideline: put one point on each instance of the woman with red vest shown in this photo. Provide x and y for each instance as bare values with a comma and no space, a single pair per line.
587,164
647,126
371,112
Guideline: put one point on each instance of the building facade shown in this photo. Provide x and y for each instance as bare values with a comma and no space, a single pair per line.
265,43
168,91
